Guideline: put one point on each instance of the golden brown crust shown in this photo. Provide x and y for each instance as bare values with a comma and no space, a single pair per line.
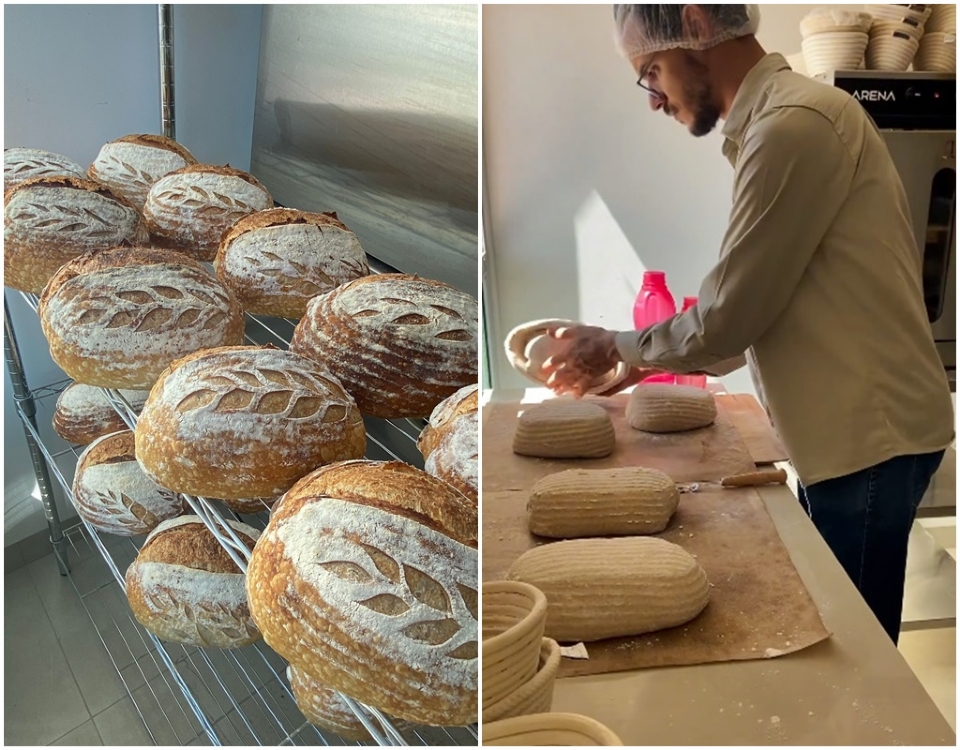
117,446
193,546
434,433
159,141
226,170
72,182
273,217
84,426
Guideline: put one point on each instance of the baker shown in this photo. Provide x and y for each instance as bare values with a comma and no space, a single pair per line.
818,285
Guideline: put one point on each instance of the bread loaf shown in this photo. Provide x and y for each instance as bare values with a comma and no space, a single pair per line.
193,206
605,588
130,166
184,587
20,164
366,577
83,414
564,428
113,494
242,422
602,502
48,221
664,407
117,317
399,344
449,443
276,260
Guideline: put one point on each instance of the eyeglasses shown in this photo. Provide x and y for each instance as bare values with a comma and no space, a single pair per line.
643,74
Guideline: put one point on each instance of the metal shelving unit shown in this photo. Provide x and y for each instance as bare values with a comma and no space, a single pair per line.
183,694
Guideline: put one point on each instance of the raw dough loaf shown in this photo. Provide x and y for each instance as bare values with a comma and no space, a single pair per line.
602,502
113,494
130,166
276,260
21,164
193,206
449,442
117,317
83,414
184,587
605,588
366,577
242,421
399,344
664,407
48,221
564,428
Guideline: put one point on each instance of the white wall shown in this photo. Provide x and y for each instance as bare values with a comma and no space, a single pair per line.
77,76
586,186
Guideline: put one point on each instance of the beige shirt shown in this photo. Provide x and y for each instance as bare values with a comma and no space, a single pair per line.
819,282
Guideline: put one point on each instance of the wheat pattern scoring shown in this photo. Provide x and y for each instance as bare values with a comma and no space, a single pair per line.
157,308
290,393
128,514
206,201
66,219
291,274
442,321
221,620
130,173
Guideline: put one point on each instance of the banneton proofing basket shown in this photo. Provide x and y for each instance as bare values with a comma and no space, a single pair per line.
536,694
514,615
558,730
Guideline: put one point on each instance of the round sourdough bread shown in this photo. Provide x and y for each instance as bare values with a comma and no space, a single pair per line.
449,443
117,317
399,344
113,494
276,260
48,221
242,422
366,577
83,414
130,165
192,207
20,164
184,587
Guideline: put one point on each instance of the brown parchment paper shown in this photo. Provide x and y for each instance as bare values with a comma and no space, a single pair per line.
708,454
759,607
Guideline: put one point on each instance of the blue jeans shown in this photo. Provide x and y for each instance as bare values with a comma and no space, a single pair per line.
865,519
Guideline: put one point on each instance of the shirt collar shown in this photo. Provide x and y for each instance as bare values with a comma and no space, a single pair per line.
741,111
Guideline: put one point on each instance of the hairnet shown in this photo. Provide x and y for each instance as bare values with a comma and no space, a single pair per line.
642,29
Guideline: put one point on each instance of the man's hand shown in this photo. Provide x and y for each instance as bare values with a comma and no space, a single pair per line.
591,352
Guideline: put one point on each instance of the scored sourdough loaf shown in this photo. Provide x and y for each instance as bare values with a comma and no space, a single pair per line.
605,588
449,442
20,164
83,414
244,422
276,260
113,494
184,587
117,317
193,206
564,428
602,502
130,166
664,407
48,221
399,344
366,577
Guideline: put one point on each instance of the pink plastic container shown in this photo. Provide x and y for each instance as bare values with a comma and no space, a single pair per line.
700,381
653,304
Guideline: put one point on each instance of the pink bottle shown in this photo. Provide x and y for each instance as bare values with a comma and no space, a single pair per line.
700,381
654,303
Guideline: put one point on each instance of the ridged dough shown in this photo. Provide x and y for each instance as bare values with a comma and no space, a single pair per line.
665,407
564,428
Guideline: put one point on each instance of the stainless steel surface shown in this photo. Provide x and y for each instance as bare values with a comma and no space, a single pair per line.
168,118
371,111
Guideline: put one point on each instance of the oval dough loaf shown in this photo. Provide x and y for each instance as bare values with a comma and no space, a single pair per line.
192,207
564,428
184,587
83,414
664,407
605,588
48,221
241,422
21,164
366,577
602,502
449,442
113,494
399,344
116,318
276,260
130,166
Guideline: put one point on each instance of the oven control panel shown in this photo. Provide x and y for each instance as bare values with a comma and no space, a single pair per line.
903,101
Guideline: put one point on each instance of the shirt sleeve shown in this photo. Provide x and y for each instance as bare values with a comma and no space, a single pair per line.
792,176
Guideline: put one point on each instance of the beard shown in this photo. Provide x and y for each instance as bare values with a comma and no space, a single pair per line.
699,99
